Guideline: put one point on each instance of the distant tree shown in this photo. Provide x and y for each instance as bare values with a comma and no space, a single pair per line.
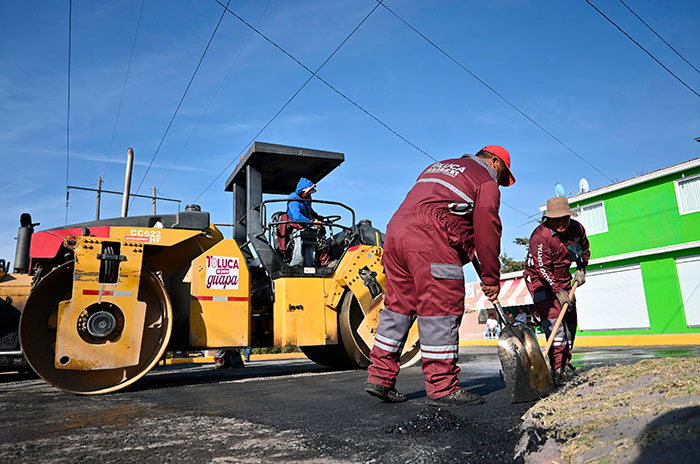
522,241
509,264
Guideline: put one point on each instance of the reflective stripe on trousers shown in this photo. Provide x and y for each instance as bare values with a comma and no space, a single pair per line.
424,280
563,344
548,309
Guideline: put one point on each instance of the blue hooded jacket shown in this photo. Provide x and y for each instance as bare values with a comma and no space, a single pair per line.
300,211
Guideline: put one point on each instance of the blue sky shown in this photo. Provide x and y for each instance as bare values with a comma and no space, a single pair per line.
558,61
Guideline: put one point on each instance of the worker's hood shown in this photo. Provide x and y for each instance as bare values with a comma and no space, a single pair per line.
304,183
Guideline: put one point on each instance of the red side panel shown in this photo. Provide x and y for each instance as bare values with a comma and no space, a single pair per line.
46,244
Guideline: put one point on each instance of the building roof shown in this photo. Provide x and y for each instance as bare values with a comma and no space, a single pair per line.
676,168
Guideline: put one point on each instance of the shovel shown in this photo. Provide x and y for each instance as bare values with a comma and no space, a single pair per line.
525,372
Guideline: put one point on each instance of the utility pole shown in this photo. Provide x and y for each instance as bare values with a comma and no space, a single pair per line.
99,196
127,181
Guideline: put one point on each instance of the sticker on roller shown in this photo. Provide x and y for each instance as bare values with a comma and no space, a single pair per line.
144,235
222,272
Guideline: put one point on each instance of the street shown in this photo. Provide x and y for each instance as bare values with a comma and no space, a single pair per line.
271,411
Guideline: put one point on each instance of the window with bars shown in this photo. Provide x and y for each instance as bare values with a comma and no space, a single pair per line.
688,193
592,217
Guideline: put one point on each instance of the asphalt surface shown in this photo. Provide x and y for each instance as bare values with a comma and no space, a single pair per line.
270,411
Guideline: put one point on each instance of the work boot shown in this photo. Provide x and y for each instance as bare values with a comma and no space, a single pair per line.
568,372
561,376
386,394
557,378
458,398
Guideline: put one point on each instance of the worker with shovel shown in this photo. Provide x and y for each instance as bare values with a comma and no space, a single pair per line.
450,213
554,245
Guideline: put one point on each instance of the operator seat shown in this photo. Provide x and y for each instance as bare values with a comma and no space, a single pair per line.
282,234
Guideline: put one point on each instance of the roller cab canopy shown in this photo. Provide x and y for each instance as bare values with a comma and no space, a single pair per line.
268,168
281,166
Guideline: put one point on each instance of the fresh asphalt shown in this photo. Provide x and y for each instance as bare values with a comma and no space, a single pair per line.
271,411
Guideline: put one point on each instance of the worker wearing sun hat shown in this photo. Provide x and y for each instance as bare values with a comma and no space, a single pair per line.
554,246
450,214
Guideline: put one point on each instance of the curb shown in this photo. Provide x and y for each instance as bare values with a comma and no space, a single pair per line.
253,357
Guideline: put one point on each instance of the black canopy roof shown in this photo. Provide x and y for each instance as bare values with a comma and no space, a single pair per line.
281,166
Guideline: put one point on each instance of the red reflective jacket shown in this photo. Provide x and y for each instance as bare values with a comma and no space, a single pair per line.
445,189
549,258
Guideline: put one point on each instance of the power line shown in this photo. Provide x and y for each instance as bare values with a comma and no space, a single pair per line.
240,52
329,85
70,38
313,74
182,99
515,209
495,92
640,46
657,35
121,98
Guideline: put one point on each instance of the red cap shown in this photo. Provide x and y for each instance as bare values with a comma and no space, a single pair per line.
504,156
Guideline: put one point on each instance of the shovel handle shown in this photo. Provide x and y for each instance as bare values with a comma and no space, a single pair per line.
558,323
501,313
496,304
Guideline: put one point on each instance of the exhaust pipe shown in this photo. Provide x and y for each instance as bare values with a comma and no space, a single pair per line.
127,181
24,241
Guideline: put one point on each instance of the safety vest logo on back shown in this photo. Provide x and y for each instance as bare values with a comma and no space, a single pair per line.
448,169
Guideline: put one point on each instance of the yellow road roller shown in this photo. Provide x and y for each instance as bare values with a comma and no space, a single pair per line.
107,298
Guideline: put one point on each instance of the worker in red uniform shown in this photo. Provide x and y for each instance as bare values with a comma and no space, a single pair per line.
450,213
554,245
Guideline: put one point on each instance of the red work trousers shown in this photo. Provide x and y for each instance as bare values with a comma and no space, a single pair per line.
548,309
424,280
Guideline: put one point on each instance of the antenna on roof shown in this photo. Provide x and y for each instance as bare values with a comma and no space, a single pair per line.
583,186
559,190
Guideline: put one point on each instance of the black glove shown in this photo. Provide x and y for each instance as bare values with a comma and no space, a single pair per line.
563,297
580,276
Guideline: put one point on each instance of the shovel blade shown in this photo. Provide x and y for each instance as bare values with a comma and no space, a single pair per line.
525,372
540,376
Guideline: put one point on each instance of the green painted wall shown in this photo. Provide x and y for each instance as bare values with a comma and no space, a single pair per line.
663,295
643,216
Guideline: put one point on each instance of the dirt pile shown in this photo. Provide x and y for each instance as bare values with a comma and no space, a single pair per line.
427,421
645,412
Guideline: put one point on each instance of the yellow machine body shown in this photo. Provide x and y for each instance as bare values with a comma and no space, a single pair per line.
306,308
72,350
153,236
220,313
167,249
218,281
15,288
301,315
193,286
